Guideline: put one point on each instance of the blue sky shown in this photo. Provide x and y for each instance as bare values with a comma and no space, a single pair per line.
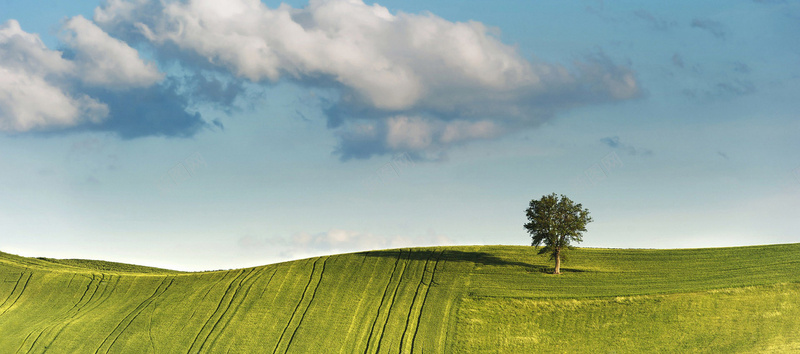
204,135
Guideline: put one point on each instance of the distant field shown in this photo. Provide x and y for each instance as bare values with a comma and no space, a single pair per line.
467,299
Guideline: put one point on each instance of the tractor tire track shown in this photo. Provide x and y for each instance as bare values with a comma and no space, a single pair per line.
243,298
391,304
130,317
16,284
79,312
302,297
310,301
380,305
424,298
202,300
233,298
414,301
66,316
19,294
69,313
213,314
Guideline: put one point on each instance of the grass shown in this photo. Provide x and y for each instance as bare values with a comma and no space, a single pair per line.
468,299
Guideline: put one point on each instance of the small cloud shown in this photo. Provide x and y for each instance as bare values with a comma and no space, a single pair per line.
711,26
92,181
615,143
335,241
677,60
736,88
741,68
218,123
654,21
105,61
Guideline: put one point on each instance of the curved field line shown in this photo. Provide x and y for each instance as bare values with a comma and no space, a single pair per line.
313,294
136,312
351,330
225,311
380,305
424,298
253,281
30,275
289,323
150,330
392,302
66,316
414,301
101,299
202,300
124,319
21,274
213,314
69,313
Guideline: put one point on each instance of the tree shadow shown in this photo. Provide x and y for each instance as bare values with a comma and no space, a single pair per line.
481,258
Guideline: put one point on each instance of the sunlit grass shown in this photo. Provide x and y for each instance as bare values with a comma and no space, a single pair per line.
439,299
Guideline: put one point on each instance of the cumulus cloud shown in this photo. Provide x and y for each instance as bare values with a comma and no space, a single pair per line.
106,61
98,83
32,90
401,82
412,134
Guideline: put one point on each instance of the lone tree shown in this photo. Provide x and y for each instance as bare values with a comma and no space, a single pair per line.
556,222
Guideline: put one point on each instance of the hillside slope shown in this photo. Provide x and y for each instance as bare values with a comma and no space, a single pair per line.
439,299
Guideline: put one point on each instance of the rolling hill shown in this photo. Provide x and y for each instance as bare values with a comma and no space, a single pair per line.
468,299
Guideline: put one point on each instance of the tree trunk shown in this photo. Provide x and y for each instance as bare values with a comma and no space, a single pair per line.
558,263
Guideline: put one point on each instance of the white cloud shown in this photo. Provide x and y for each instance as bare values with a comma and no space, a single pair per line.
393,62
408,133
32,93
41,90
384,65
106,61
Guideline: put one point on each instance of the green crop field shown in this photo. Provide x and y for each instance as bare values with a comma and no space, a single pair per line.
468,299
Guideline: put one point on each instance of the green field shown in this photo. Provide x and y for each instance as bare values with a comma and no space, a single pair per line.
468,299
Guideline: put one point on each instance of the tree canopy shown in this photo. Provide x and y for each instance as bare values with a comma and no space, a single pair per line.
556,222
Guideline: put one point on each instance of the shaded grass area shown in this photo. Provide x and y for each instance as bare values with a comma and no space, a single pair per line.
437,299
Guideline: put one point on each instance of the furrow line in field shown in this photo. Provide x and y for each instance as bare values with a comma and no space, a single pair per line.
414,301
288,324
219,305
126,321
19,294
150,330
63,320
25,340
202,300
89,305
236,309
70,280
225,311
140,309
392,301
380,305
424,298
311,300
12,290
353,328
